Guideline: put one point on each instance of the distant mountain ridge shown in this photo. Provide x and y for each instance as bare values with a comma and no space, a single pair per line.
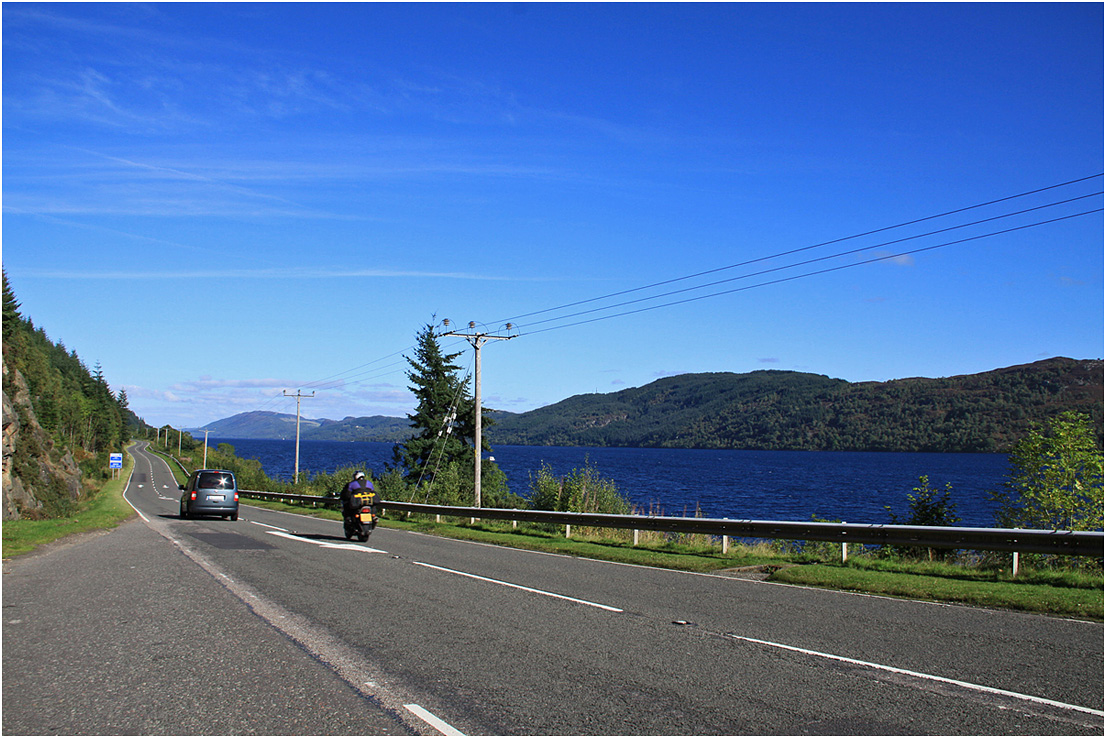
785,410
768,410
264,424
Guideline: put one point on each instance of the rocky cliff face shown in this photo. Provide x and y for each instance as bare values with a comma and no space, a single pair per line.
37,476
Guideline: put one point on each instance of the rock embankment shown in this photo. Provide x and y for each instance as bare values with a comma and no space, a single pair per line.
35,471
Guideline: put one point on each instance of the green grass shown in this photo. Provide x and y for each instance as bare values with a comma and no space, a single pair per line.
992,589
104,509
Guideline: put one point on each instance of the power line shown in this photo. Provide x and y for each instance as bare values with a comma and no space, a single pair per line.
817,272
815,260
804,248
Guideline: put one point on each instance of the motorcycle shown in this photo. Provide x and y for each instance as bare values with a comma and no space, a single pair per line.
359,519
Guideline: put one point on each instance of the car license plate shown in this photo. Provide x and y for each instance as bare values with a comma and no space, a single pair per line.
216,498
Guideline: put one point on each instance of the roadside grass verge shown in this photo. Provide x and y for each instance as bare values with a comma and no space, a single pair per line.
104,508
1031,593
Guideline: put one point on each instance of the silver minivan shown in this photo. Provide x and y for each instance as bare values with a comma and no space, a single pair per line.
210,492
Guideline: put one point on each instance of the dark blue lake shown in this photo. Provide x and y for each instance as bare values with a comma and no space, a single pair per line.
760,485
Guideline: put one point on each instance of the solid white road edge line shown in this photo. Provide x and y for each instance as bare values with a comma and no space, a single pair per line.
920,675
433,720
519,586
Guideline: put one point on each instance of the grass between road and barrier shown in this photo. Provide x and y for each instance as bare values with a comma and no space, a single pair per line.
1067,594
997,591
102,509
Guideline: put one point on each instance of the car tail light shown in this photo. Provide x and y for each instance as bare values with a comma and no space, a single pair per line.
236,497
193,495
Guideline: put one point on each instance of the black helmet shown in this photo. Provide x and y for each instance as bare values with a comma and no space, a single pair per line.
358,476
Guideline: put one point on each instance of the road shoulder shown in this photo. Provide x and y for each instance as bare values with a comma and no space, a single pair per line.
166,648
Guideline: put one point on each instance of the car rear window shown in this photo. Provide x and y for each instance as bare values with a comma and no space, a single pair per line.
216,480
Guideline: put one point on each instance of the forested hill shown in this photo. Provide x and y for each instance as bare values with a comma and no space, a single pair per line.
792,410
266,424
60,421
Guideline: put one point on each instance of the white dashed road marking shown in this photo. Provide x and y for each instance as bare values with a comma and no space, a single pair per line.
433,720
519,586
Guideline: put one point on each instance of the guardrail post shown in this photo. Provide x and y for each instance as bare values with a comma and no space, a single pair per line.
637,536
568,530
725,545
1015,564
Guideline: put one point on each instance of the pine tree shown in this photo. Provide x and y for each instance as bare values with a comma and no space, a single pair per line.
438,417
12,318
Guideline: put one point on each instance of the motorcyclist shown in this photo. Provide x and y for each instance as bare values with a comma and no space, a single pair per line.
358,485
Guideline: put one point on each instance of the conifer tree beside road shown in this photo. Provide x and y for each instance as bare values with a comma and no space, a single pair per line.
440,452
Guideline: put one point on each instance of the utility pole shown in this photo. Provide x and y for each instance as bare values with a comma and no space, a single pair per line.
205,448
296,478
477,340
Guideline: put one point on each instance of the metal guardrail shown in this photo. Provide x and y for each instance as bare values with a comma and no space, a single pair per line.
1072,543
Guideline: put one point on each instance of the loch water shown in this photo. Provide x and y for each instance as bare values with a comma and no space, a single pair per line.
854,487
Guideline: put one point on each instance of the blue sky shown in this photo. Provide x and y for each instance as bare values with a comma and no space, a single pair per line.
219,203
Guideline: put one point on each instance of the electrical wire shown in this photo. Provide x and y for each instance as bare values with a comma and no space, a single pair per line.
817,272
806,262
803,248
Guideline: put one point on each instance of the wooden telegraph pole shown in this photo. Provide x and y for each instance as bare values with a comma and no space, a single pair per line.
298,396
477,340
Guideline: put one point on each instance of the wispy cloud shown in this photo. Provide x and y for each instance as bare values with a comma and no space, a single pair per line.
117,232
1071,281
180,174
208,383
194,181
277,273
906,260
203,400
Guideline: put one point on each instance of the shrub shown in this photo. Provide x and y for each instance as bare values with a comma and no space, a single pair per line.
927,507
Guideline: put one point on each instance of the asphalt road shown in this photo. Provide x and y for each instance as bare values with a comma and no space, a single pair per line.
275,624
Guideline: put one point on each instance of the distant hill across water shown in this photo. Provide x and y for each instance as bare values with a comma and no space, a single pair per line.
768,410
263,424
